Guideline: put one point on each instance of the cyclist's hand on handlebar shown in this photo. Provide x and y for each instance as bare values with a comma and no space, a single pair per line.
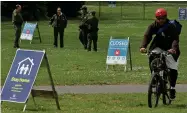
172,51
143,50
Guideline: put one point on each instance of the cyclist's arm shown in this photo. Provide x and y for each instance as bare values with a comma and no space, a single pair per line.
147,36
175,43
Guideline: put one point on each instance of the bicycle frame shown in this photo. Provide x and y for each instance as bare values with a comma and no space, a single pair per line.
158,64
160,75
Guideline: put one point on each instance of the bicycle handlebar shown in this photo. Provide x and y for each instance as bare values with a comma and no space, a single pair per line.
165,53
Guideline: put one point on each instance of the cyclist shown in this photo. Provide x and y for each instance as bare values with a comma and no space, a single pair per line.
166,39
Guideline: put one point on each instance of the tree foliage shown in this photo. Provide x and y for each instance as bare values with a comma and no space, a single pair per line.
35,10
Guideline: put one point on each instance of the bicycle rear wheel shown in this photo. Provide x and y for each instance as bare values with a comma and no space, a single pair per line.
154,92
166,99
166,89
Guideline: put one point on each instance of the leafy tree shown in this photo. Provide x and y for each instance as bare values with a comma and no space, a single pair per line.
35,10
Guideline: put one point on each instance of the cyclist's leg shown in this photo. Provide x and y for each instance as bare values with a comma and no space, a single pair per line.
173,66
173,77
173,80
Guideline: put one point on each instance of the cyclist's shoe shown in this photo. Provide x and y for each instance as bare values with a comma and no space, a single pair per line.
172,94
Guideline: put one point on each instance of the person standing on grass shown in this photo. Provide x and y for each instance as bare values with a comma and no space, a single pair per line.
17,21
83,31
59,22
92,24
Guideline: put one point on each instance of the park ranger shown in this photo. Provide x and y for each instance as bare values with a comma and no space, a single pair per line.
92,24
17,21
59,22
83,31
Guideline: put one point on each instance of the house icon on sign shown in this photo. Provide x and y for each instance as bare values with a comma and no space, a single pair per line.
25,66
183,11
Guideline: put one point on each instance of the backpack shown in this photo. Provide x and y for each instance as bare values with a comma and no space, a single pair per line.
177,25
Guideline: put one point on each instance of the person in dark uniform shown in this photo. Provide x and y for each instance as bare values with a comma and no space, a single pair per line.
92,24
59,22
83,31
167,40
17,21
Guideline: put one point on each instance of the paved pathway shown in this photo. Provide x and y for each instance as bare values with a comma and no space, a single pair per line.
94,89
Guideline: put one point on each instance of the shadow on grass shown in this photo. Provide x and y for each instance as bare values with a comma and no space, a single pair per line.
141,105
34,110
180,106
39,109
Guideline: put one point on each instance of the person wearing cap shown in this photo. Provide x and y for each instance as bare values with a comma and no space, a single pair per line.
83,31
167,40
59,22
92,24
17,21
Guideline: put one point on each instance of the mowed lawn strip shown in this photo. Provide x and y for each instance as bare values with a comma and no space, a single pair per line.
72,65
99,103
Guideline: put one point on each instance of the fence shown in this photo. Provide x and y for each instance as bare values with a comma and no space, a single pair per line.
134,10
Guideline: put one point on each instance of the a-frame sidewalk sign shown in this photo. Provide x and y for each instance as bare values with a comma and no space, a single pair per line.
22,75
118,52
28,32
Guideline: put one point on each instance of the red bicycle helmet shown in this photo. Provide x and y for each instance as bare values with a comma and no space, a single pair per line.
160,12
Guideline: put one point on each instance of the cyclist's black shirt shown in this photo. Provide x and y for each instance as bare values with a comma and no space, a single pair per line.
169,39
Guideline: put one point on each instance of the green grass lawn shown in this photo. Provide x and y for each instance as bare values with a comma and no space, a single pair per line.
73,65
134,10
99,103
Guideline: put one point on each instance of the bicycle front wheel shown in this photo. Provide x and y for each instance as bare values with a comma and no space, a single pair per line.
153,91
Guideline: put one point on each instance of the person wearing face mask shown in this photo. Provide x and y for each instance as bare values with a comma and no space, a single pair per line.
167,39
59,22
17,21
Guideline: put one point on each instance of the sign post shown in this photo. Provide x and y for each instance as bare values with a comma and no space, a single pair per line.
22,75
182,13
28,32
117,53
112,3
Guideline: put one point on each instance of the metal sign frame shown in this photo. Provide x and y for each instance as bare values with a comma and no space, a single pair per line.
111,3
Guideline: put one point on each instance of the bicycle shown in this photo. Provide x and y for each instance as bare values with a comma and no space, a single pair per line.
160,79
